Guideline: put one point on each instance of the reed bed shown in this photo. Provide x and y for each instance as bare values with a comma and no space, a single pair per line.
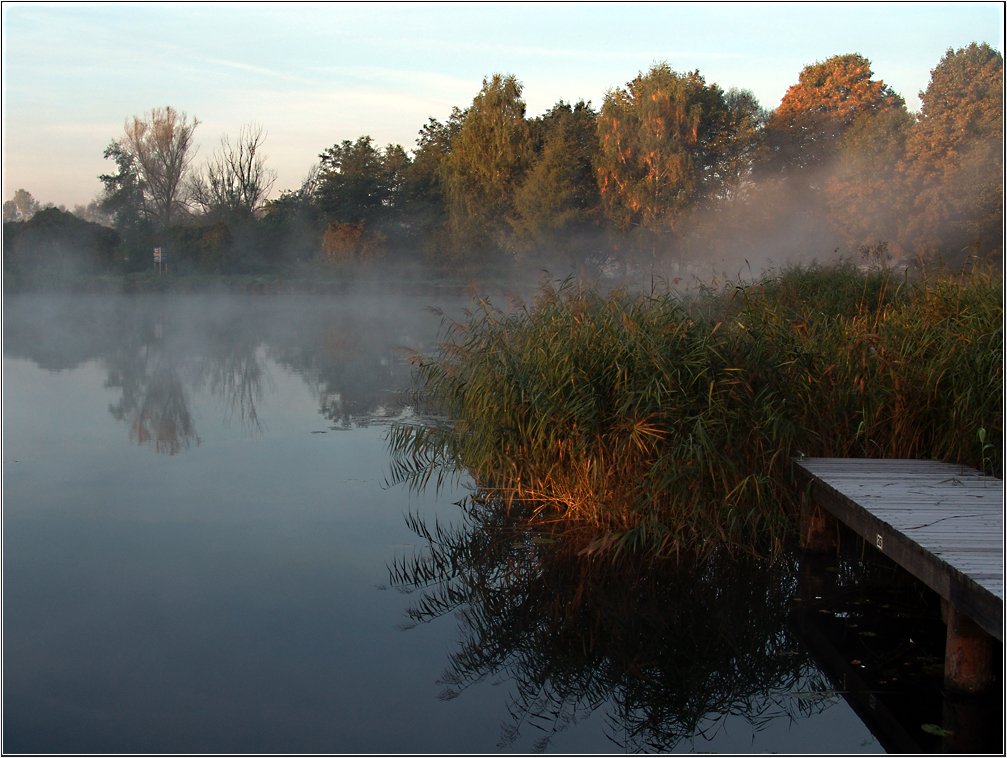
670,422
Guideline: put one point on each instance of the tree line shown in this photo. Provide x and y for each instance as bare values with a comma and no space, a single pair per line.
670,166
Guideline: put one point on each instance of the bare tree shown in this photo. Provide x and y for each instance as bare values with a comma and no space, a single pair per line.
162,146
235,182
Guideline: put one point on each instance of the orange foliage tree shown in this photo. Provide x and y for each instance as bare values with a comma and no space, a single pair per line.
350,241
954,158
828,97
660,141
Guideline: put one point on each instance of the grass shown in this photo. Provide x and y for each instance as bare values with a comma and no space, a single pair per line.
670,422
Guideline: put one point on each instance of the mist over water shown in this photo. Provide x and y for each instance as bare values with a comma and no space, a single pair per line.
202,554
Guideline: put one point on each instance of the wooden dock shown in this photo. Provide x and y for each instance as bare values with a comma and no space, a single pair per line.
942,522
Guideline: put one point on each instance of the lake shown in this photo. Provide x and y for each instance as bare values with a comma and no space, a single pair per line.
203,553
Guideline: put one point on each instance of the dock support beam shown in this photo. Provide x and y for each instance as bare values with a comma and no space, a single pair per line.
819,528
968,655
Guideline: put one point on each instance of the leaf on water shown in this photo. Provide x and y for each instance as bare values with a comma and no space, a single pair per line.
936,730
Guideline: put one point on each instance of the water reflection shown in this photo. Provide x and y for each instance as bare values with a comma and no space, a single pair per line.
158,352
668,649
153,402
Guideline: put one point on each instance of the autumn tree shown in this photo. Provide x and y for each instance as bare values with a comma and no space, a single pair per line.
484,167
662,141
234,182
351,242
804,130
803,139
864,193
954,158
156,152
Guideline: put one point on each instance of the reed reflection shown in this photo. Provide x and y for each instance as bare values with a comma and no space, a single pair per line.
668,648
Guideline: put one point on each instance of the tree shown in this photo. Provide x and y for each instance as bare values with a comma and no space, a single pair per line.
159,149
864,193
486,164
422,207
662,141
21,207
123,197
954,157
359,183
344,242
93,213
234,182
556,207
732,158
828,97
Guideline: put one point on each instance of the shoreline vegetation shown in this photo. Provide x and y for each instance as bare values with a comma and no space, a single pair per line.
667,423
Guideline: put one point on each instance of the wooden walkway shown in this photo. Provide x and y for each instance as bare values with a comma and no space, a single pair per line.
942,522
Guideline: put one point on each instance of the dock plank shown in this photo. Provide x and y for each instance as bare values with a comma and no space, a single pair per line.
943,522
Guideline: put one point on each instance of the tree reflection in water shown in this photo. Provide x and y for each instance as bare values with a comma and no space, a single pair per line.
153,403
234,367
153,362
671,647
159,351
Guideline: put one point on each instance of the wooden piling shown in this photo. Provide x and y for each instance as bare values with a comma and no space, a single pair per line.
968,654
818,528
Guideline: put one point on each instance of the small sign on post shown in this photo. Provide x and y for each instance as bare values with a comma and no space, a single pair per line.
160,257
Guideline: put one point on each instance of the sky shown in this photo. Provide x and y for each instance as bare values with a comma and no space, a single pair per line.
316,74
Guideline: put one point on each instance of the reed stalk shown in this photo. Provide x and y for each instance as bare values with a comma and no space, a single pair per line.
670,422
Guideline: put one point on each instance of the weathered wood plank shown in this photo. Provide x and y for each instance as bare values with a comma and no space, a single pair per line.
941,521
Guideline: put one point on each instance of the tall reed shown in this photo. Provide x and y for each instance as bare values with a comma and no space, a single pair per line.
671,421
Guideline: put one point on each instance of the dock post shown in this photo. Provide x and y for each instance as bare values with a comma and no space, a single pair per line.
968,654
818,527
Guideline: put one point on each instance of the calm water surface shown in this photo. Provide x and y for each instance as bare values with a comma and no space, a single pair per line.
198,538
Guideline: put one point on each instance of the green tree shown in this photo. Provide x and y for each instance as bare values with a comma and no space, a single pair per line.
292,226
740,147
359,183
123,196
557,206
422,211
955,158
486,164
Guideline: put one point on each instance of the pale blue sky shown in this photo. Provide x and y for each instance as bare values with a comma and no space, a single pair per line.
316,74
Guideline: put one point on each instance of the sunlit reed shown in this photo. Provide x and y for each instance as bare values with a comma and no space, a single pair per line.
671,421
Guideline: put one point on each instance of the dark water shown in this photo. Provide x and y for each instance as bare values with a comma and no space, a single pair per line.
201,554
